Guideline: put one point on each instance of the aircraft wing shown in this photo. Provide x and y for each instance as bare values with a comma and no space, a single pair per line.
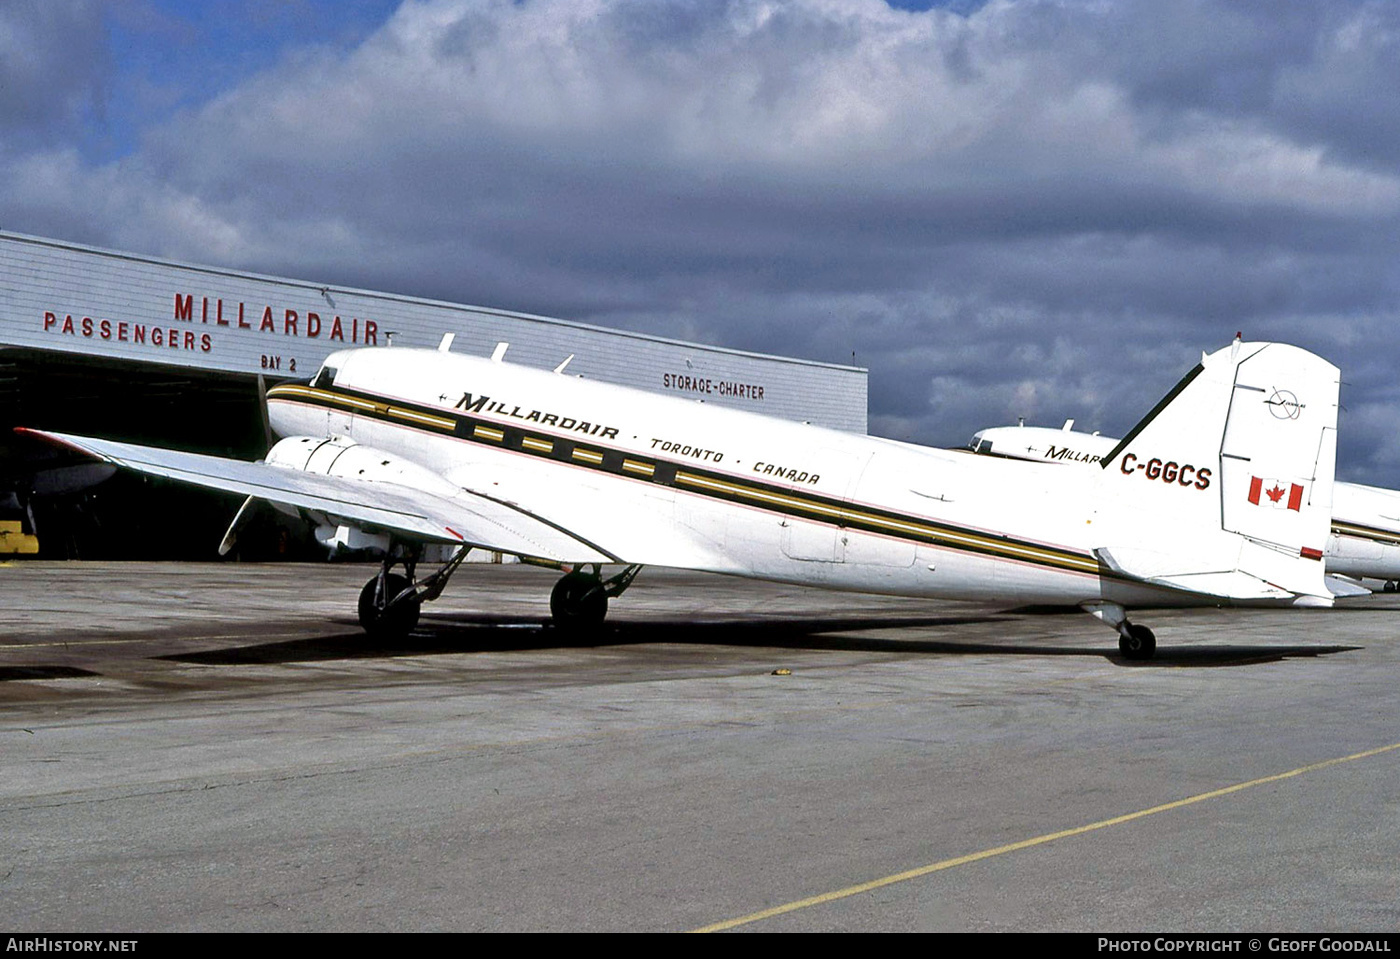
441,515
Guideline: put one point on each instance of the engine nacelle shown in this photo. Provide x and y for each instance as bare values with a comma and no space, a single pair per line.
339,456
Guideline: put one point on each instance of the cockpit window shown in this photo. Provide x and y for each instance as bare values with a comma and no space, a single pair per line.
324,378
984,446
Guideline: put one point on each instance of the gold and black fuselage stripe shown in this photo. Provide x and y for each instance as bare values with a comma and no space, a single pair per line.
1385,537
586,452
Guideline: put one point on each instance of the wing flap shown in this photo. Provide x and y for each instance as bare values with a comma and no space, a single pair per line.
463,517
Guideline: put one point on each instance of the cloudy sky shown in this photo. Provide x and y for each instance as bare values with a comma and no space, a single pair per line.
1025,208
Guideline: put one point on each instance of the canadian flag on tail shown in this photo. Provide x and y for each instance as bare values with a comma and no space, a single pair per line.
1275,493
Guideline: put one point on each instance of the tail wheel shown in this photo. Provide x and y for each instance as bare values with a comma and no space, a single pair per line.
1138,642
393,622
578,601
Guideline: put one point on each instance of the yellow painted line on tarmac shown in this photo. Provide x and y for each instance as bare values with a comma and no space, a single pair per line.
1028,843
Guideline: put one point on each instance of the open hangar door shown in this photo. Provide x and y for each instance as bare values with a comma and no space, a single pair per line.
79,510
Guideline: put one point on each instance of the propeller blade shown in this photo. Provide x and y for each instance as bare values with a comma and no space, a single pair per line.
230,539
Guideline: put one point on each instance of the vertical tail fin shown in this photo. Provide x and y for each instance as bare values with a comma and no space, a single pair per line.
1225,487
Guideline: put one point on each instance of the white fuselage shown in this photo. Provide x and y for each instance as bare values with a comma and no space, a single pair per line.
655,480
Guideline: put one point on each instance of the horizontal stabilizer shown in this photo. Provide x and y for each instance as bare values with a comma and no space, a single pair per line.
1345,586
1236,585
1189,573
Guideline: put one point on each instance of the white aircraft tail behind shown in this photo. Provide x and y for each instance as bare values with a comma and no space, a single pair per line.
1225,488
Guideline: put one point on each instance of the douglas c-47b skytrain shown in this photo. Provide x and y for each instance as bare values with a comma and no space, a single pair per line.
422,447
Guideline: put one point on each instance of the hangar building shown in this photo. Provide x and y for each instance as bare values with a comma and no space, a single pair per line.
137,348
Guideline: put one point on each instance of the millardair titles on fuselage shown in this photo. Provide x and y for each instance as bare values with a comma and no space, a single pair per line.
419,447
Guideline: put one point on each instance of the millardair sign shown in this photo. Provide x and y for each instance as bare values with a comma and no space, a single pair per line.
196,335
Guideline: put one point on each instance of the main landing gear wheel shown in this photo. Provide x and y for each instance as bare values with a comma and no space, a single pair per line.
380,616
390,602
1137,642
579,601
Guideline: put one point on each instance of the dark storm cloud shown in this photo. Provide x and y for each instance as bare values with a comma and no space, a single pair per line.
1016,209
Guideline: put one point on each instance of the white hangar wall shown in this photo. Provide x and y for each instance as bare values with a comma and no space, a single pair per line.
68,298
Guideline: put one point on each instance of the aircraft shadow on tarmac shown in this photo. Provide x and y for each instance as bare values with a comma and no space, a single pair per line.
10,673
466,633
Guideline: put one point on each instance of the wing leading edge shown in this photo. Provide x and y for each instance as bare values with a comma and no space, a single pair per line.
441,515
